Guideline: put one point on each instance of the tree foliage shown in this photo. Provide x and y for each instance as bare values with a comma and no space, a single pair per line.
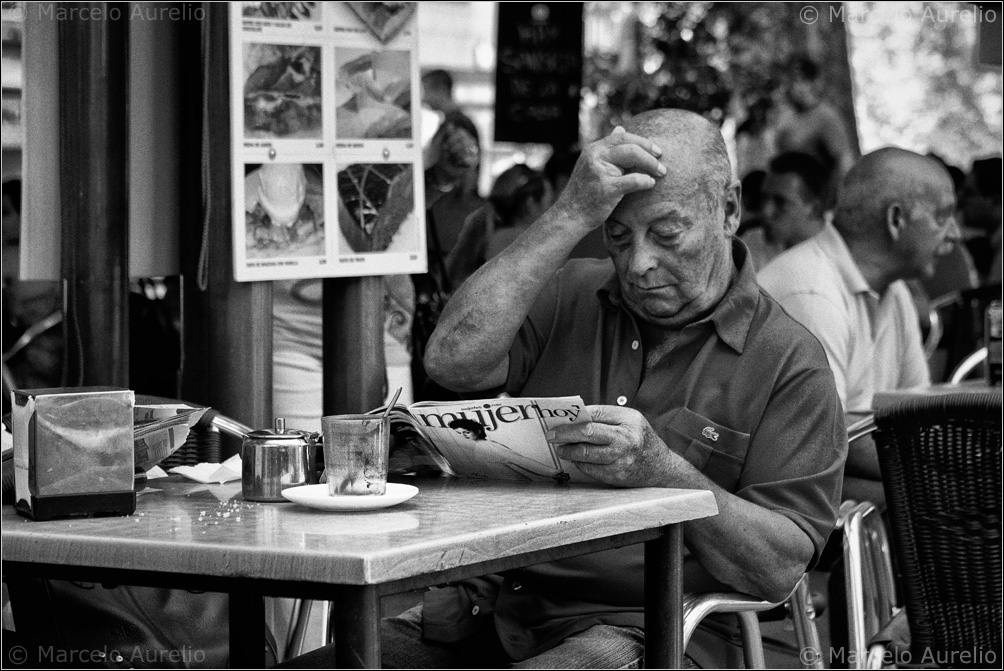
915,83
713,58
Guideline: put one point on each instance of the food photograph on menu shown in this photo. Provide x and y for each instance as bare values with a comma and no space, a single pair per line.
384,19
282,91
376,208
282,11
283,210
372,94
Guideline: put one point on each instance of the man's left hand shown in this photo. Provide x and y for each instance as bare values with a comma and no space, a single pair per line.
618,447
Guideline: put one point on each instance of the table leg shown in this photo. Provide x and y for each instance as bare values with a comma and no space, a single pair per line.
247,631
355,617
664,600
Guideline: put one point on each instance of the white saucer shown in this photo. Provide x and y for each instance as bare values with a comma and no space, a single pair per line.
316,496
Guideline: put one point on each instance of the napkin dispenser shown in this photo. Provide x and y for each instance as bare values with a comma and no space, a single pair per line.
73,452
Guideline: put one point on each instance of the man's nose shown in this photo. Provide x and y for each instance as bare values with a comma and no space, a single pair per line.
643,258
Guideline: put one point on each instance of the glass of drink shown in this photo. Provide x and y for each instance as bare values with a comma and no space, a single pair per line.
356,449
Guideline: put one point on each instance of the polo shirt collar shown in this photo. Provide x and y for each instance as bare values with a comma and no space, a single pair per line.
733,315
833,246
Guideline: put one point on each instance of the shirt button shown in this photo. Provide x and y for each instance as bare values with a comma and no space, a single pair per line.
622,400
516,587
634,344
475,610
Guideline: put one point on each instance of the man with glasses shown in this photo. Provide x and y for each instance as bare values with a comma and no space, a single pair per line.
894,218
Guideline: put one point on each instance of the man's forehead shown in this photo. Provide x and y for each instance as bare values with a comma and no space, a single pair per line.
937,186
684,199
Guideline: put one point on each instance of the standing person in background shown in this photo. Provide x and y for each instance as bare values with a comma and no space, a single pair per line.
448,204
519,196
815,127
791,201
755,138
452,208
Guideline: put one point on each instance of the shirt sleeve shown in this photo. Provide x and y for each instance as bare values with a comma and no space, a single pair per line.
829,324
796,458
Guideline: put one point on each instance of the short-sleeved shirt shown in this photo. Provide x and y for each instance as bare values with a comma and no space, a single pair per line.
872,342
745,395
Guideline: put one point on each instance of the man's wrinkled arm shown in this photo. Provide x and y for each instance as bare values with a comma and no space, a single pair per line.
765,552
469,350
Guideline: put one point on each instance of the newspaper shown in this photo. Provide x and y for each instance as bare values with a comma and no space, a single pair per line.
160,429
497,438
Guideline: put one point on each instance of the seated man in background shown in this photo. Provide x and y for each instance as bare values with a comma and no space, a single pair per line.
700,380
894,218
791,206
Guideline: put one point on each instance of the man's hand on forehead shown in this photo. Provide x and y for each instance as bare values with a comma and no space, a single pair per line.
608,170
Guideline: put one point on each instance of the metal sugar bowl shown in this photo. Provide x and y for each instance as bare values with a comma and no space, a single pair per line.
276,460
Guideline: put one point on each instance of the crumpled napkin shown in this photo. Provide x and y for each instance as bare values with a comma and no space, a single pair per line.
212,473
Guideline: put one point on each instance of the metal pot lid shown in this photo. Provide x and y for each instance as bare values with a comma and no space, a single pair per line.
280,432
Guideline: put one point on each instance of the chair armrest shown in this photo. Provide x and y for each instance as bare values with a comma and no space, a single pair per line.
698,605
876,654
745,607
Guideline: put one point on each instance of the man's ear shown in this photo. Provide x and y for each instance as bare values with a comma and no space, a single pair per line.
895,221
733,207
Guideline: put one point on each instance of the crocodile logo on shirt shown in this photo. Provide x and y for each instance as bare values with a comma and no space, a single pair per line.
709,432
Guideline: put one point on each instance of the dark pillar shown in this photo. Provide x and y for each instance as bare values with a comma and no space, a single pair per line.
354,368
228,324
93,57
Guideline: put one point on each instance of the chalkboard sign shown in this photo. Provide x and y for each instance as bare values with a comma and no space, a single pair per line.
538,75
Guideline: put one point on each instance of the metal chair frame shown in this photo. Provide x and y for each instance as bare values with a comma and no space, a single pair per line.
870,583
698,606
968,365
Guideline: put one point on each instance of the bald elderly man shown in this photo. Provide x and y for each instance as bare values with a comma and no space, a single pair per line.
894,218
695,379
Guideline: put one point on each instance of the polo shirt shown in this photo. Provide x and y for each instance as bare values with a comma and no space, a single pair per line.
747,371
872,341
761,251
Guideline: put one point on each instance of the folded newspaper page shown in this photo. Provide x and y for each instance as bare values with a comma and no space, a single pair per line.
496,438
159,430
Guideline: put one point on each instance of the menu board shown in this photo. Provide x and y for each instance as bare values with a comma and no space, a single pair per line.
538,74
327,157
